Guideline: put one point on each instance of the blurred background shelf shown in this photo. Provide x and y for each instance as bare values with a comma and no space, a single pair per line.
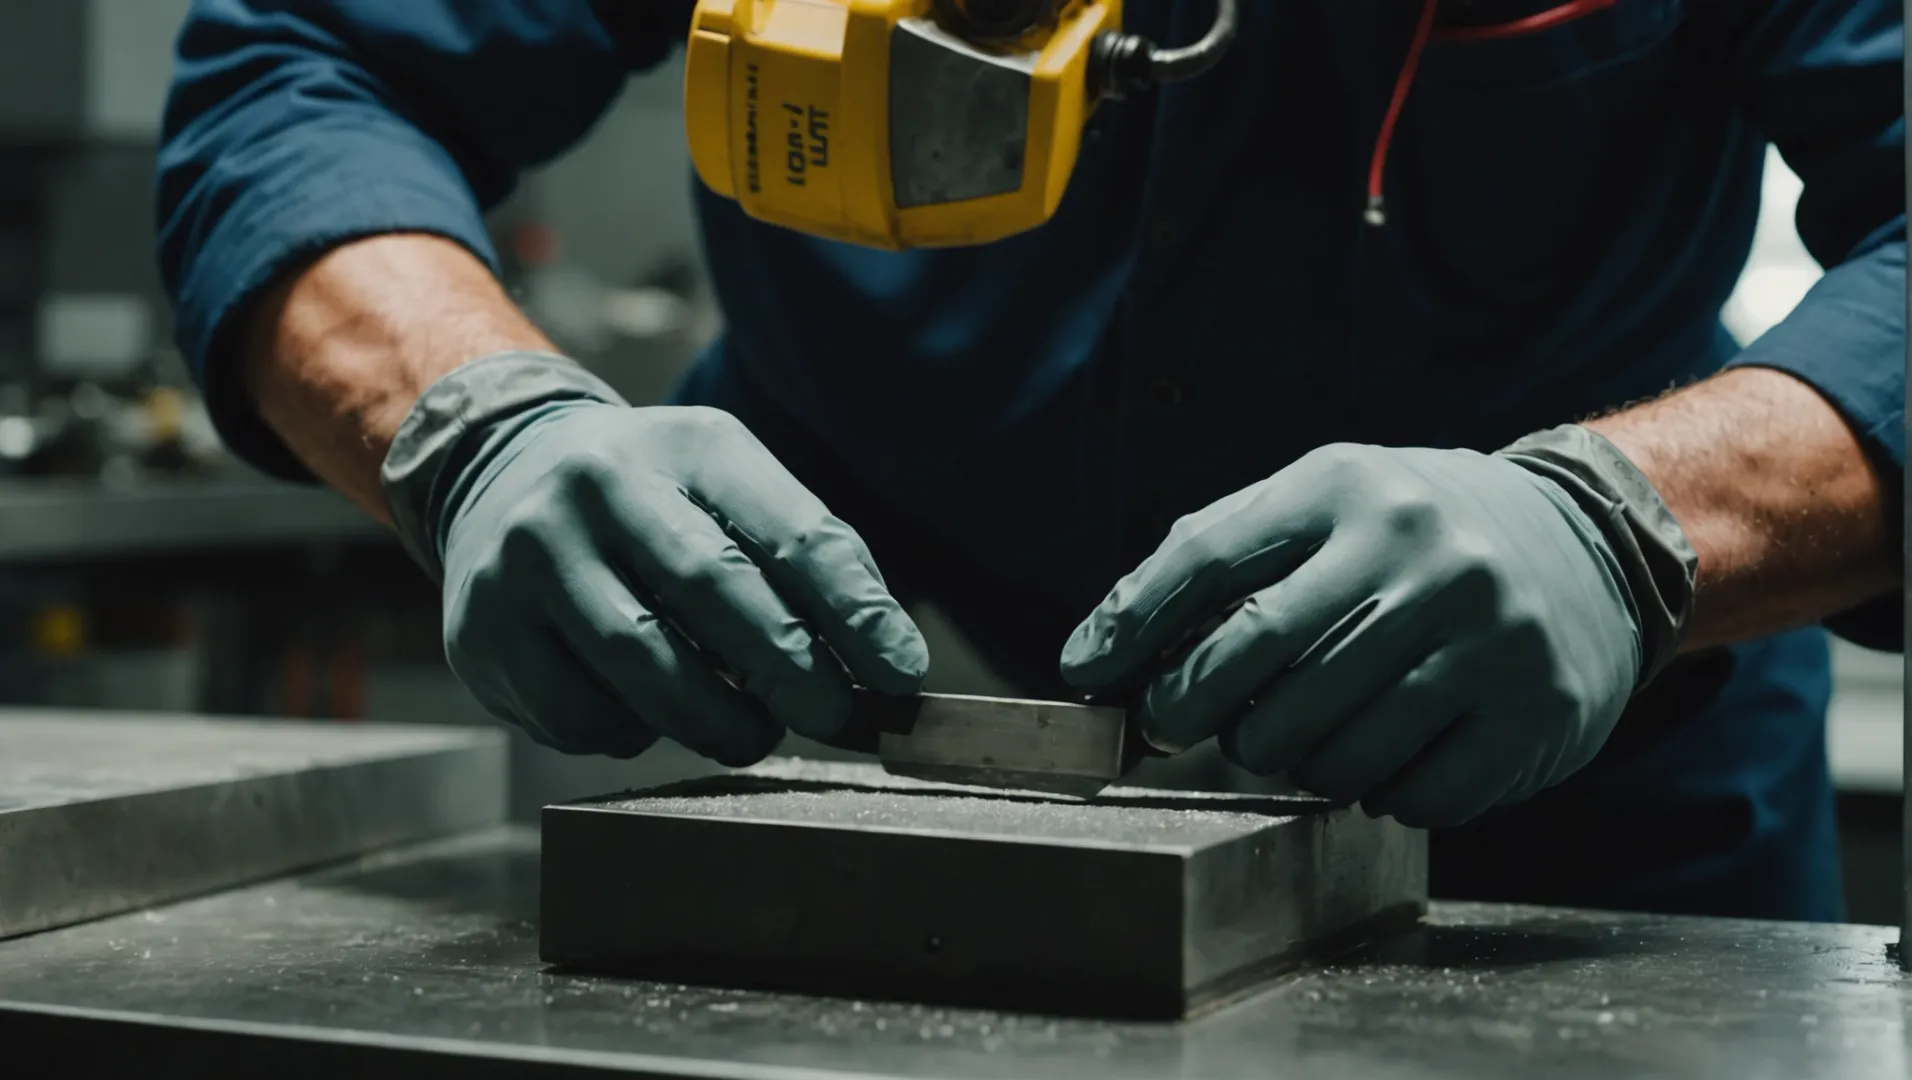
1866,735
70,519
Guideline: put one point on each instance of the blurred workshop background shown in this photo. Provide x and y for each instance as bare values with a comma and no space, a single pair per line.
143,569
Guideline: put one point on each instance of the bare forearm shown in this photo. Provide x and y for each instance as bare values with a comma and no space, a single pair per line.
1790,520
335,356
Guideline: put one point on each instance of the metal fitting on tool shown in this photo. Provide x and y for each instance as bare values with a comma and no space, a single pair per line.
1125,64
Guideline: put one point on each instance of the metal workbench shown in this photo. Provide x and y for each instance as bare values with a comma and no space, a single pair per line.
421,953
426,960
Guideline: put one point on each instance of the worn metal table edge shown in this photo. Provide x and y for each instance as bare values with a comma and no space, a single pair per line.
463,1054
428,739
292,819
1165,850
1860,1030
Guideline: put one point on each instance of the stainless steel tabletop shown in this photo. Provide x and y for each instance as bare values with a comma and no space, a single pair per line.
427,960
103,812
58,519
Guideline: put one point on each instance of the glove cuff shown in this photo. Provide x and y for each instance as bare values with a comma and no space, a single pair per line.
453,426
1656,560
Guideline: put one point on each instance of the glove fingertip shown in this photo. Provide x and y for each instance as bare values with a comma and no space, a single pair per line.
747,751
1251,747
1087,661
1165,741
628,746
1079,677
815,709
881,648
896,681
907,652
1160,717
1377,808
901,666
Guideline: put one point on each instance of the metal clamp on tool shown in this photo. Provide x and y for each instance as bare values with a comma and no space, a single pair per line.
911,123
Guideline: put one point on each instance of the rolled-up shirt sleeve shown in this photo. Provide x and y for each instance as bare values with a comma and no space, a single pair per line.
293,126
1824,79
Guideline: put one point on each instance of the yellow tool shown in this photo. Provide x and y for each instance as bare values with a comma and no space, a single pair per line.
911,123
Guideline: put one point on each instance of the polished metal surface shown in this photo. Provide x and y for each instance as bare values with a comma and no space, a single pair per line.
59,520
836,877
104,812
426,962
1052,746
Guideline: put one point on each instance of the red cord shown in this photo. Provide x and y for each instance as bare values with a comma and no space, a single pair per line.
1532,24
1377,166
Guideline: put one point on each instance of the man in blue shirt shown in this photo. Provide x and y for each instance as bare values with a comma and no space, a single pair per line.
1406,510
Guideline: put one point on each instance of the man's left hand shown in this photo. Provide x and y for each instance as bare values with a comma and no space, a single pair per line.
1431,633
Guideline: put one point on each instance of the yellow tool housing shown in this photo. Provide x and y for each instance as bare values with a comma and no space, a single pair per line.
869,121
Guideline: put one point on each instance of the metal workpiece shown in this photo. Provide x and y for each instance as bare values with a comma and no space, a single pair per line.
829,877
425,961
104,812
1057,747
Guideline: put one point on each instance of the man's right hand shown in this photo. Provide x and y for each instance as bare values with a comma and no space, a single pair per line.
602,564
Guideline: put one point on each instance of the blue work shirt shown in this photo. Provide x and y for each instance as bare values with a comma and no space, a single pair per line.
1568,210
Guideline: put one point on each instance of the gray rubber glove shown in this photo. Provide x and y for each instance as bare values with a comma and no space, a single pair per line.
604,565
1428,632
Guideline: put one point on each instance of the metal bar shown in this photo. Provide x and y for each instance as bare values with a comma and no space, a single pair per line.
1052,746
102,813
